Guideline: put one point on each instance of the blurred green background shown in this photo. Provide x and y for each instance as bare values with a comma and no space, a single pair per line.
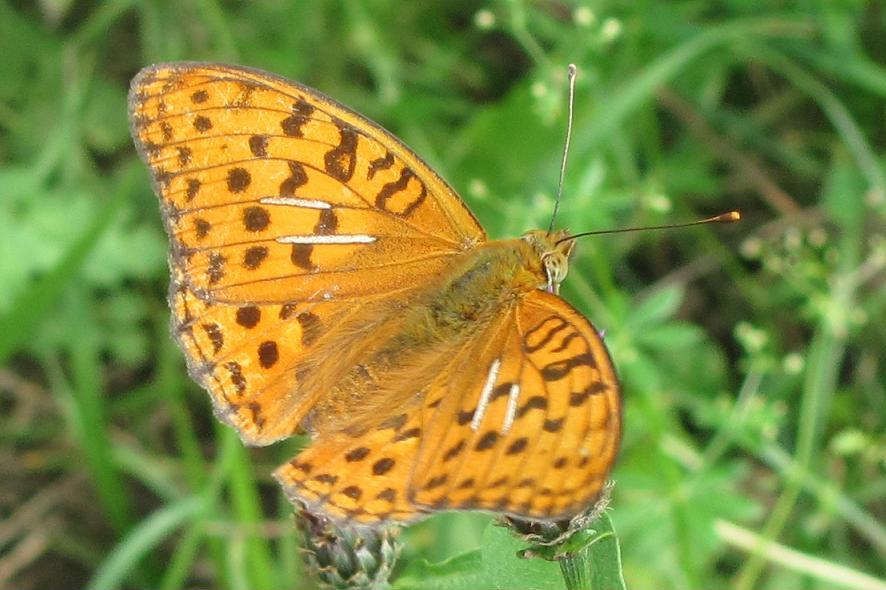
752,355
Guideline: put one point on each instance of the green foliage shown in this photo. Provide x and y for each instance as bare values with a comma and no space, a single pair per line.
754,453
494,565
591,560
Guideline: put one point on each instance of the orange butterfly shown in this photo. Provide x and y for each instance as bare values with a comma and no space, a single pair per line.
326,280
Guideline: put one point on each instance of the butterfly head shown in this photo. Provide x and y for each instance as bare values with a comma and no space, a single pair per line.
553,252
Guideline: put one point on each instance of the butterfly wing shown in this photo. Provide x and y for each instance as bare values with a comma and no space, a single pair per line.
358,478
284,209
537,428
524,418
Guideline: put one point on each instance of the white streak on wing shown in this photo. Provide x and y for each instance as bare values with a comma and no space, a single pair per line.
484,395
330,239
511,413
293,202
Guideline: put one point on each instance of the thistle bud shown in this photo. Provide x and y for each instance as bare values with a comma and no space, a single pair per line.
345,555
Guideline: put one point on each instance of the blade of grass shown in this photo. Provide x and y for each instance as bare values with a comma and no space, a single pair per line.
833,107
832,574
89,413
248,513
147,535
187,548
95,26
182,561
171,385
859,70
826,492
641,88
826,352
288,545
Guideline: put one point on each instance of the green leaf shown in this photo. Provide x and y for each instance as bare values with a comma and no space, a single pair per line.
456,572
670,337
605,557
503,569
659,306
17,325
494,567
593,554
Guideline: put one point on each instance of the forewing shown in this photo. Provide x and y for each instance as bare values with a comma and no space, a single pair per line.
283,209
274,193
531,424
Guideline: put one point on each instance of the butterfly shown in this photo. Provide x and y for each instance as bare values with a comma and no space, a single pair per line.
325,280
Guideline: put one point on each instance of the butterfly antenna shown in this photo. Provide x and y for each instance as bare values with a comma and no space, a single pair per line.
572,73
722,218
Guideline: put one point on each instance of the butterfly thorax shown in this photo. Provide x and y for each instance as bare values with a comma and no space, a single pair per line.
497,274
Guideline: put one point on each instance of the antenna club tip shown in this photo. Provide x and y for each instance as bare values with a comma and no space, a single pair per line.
730,216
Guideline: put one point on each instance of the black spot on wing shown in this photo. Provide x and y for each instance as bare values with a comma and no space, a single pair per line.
310,326
407,434
301,115
327,223
248,316
380,164
357,454
389,190
193,188
577,398
256,219
268,354
202,124
545,331
536,402
560,369
487,441
213,332
254,256
297,177
518,446
258,145
238,180
341,160
300,256
382,466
